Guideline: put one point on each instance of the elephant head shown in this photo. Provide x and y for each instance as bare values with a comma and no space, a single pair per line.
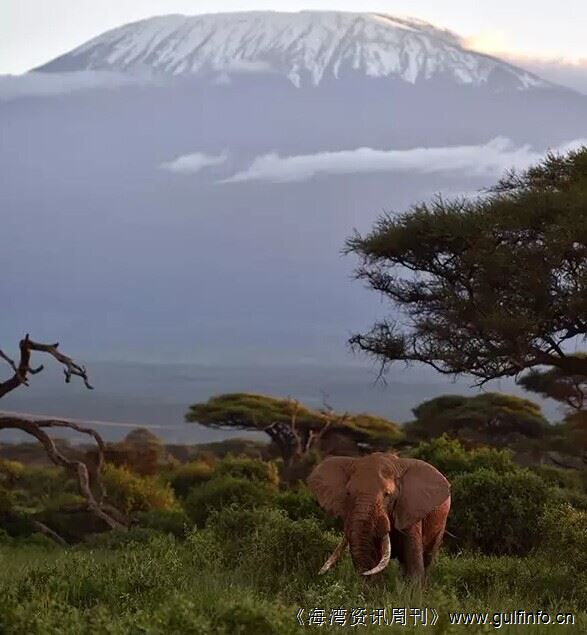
374,495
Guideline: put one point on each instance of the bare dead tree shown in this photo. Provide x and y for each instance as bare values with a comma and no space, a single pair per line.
23,369
296,441
36,428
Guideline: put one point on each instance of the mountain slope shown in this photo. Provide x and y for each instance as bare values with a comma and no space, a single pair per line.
305,47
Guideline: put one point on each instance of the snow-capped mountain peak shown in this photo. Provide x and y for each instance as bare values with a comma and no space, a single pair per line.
306,47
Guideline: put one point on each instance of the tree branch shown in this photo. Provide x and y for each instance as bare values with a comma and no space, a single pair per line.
23,368
80,469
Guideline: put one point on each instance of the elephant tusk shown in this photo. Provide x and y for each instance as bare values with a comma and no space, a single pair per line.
384,558
333,559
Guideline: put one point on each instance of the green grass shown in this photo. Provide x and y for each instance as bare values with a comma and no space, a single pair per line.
252,562
249,572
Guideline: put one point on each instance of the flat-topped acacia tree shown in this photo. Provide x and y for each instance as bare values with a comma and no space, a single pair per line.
22,370
294,428
490,287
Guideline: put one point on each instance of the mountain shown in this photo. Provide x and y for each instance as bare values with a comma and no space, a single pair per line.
180,188
305,47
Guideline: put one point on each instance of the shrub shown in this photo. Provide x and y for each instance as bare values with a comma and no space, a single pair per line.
505,576
266,543
576,499
121,538
451,458
250,469
559,477
175,522
222,491
72,525
300,503
497,513
5,538
65,501
565,536
244,616
13,522
131,493
186,476
6,501
10,472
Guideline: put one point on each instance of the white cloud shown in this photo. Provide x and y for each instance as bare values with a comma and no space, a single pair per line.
37,84
491,159
192,163
570,73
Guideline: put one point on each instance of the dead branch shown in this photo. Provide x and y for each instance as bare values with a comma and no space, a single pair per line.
80,469
47,531
100,445
23,369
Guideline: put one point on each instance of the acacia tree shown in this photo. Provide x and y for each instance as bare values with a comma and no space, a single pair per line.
571,390
294,429
489,287
37,428
494,418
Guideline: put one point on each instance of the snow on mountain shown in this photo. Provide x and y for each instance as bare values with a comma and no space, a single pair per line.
306,47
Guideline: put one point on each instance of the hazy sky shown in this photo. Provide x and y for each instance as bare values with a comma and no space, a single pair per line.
35,31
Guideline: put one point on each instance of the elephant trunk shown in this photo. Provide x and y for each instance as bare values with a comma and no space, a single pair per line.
367,528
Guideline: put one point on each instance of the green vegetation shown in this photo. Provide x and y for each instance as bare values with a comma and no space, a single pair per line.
492,418
130,492
238,552
295,430
231,543
490,286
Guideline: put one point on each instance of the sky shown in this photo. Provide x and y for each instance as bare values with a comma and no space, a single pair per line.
538,32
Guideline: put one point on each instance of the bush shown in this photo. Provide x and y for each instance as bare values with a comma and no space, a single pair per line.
175,522
578,500
10,472
506,576
46,481
559,477
5,538
565,536
243,616
265,543
451,458
121,538
65,501
6,501
222,491
250,469
300,503
498,514
186,476
131,493
72,526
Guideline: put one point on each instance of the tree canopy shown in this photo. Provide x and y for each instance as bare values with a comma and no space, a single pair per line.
570,390
293,427
493,418
490,286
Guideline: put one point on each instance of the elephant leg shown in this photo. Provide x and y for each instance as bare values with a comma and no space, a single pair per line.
432,549
413,552
433,527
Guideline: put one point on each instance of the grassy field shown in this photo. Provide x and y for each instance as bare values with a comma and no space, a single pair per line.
249,572
226,547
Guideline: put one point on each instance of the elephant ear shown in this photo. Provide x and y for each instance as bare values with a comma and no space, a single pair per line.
422,488
328,482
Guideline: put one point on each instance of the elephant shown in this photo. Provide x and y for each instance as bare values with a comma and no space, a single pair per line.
392,507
